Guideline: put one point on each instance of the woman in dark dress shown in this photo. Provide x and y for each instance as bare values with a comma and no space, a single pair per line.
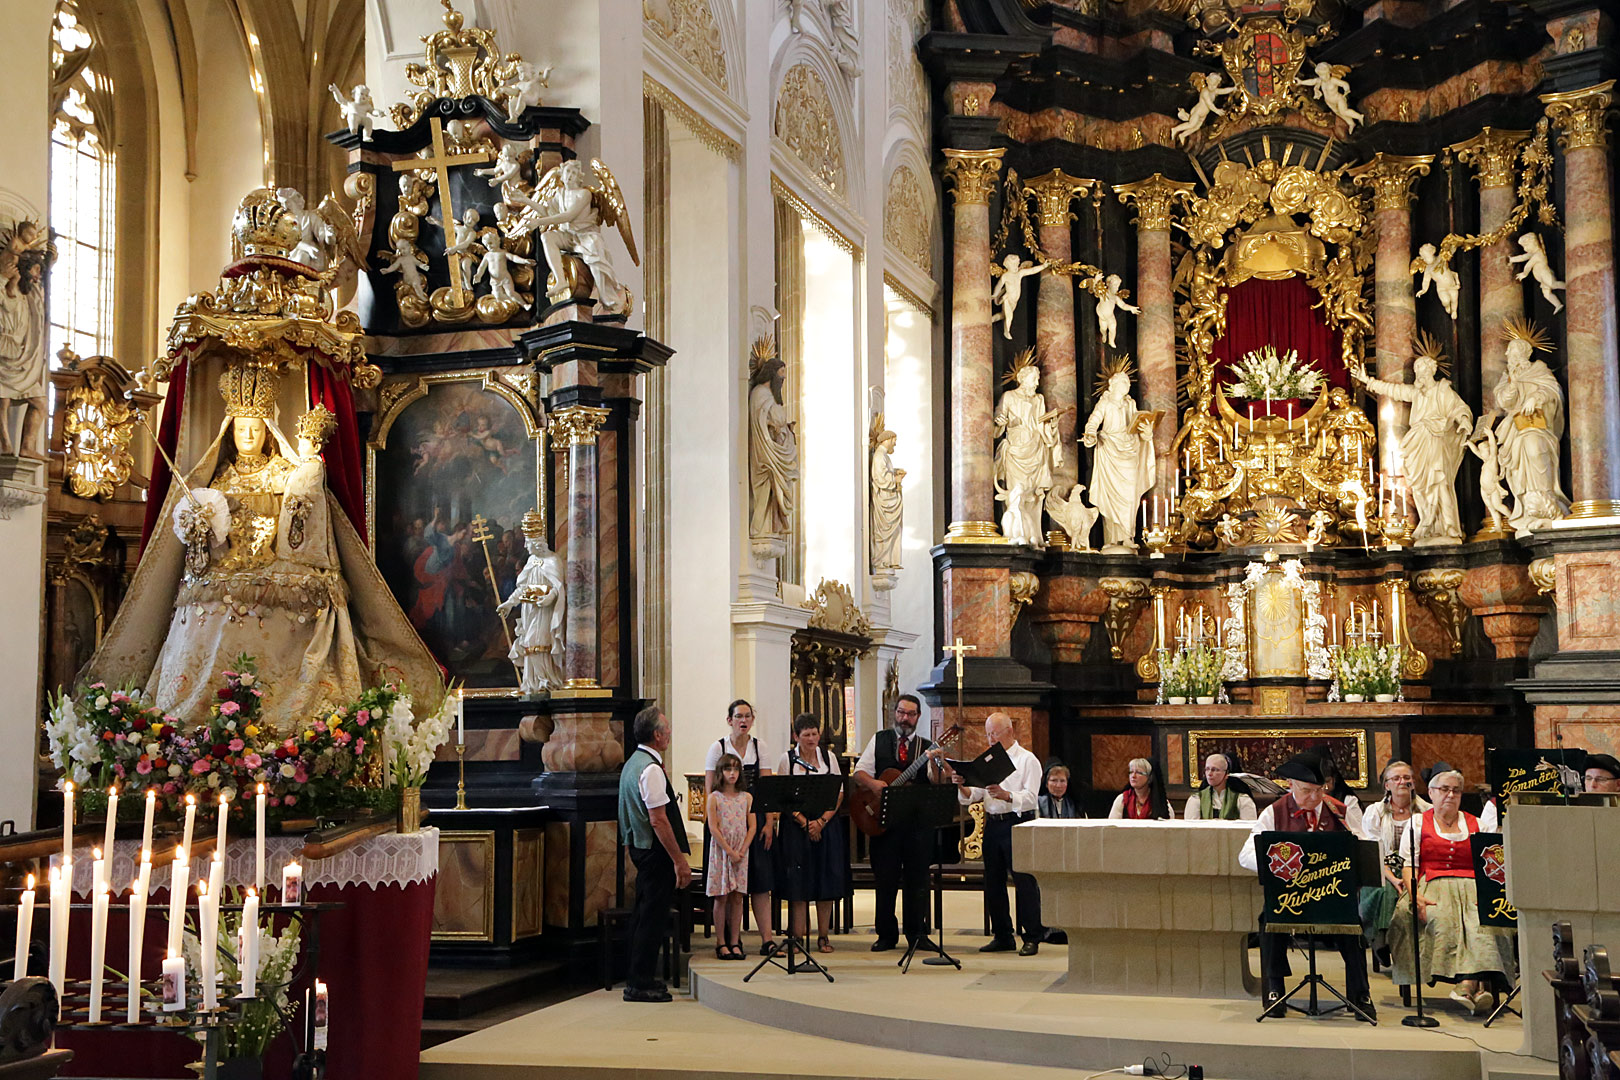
812,865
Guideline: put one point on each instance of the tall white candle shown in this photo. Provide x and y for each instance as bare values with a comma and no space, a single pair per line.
224,814
112,827
191,819
98,948
174,983
248,957
321,1013
179,882
292,883
67,821
258,840
25,930
144,873
137,940
61,891
207,943
146,826
216,876
461,717
98,870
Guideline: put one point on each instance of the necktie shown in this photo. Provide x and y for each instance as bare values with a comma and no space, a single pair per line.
903,746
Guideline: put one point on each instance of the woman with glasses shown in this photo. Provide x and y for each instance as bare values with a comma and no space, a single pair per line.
1455,948
1382,823
1143,798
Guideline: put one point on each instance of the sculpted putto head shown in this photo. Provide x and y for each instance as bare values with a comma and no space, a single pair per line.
1427,252
1011,261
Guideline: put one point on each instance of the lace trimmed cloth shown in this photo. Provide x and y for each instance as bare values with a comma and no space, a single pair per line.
390,859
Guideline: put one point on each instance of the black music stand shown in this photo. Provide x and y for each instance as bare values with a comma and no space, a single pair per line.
931,807
811,795
1364,867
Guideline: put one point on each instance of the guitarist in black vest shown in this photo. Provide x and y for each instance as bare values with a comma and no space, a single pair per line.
901,856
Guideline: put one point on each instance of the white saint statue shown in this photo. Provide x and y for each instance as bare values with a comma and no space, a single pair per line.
537,647
1009,290
1528,435
888,504
1027,455
1447,285
773,453
1534,257
463,237
358,112
1332,90
26,253
494,263
571,215
1122,470
1210,91
409,264
1432,448
1491,492
523,88
1110,300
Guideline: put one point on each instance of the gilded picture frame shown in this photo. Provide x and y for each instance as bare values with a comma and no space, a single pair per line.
1268,748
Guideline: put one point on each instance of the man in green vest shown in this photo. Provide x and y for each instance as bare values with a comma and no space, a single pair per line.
653,831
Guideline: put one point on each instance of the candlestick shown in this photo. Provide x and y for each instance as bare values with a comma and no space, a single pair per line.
1144,515
146,826
61,879
1158,617
292,883
112,824
137,938
1335,637
207,943
258,840
247,958
191,819
320,1015
179,881
67,821
98,948
174,982
224,815
461,776
25,930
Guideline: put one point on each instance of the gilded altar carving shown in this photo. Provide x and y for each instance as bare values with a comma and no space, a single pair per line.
832,607
1390,177
97,423
973,172
1262,57
1054,193
1436,589
1493,154
1127,597
806,124
1022,586
576,425
460,61
689,28
1154,197
1581,116
1544,574
907,225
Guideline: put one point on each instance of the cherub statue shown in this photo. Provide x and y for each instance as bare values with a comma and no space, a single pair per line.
1333,91
308,250
464,234
1210,91
500,274
1109,299
1073,516
507,172
523,88
1436,272
1491,489
1009,289
409,264
359,114
571,213
1535,262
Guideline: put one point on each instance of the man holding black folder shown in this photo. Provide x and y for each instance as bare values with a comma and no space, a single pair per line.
1006,803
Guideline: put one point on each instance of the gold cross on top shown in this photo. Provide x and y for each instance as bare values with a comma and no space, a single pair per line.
960,651
440,163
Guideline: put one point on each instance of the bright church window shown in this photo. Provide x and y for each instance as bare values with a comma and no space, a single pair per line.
83,175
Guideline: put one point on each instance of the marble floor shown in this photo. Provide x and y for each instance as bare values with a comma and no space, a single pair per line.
937,1022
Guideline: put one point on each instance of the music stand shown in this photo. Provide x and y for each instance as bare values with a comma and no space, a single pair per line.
1364,867
922,806
812,795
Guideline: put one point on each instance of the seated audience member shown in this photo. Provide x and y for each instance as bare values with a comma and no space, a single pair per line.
1143,798
1055,801
1382,823
1005,805
1339,796
1218,798
1303,808
1455,947
1602,774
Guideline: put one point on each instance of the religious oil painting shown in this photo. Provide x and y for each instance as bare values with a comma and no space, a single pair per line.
455,468
1263,752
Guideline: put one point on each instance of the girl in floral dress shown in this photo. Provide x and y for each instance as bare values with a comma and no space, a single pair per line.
731,830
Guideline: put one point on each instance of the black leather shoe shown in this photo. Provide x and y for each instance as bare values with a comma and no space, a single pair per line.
1366,1006
1030,948
884,944
999,945
637,994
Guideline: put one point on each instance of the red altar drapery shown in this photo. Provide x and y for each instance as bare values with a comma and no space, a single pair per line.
1279,314
344,464
168,436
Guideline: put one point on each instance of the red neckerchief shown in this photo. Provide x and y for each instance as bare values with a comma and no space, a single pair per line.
1142,810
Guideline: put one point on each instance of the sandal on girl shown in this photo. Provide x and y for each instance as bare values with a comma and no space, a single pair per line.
736,951
824,944
722,951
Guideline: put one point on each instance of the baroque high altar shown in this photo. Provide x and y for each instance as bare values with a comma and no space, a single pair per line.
1283,380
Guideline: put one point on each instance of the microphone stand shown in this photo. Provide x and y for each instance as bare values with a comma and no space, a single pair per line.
1419,1020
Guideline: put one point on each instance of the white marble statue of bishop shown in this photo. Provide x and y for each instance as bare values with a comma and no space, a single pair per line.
1529,435
537,647
1027,455
1122,470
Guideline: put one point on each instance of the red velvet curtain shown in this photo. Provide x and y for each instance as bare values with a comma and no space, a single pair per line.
344,466
1279,314
168,436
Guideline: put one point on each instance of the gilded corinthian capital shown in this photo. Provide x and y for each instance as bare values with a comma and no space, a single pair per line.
1493,155
974,172
1054,192
1581,116
575,425
1153,197
1390,177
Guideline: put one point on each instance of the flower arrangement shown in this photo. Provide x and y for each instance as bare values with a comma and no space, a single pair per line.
249,1033
1368,671
1193,672
1264,374
335,760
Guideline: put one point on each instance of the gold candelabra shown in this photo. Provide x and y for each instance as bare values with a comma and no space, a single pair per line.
461,777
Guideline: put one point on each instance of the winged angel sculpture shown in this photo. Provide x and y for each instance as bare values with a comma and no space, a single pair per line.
571,208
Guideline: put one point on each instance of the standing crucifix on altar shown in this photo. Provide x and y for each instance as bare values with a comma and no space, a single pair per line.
440,163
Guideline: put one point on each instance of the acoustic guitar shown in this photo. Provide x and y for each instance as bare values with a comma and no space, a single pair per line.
864,805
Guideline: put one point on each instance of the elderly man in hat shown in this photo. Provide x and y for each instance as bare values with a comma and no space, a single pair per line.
1305,809
1602,774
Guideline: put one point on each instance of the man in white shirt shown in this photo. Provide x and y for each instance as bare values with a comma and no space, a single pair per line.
652,830
1005,805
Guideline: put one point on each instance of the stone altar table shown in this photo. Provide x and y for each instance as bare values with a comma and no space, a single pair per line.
1157,908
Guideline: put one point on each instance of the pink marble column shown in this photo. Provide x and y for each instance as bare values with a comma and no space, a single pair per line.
1156,325
574,426
972,505
1493,155
1581,117
1395,306
1054,317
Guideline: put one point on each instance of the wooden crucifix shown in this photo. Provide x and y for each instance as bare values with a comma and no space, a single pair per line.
440,163
959,651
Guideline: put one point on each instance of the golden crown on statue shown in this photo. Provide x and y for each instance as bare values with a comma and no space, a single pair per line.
534,525
317,425
262,227
249,389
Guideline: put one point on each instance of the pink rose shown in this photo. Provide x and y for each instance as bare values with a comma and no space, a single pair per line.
118,737
199,766
229,708
170,787
300,776
236,746
363,717
143,766
319,725
289,800
252,760
359,747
